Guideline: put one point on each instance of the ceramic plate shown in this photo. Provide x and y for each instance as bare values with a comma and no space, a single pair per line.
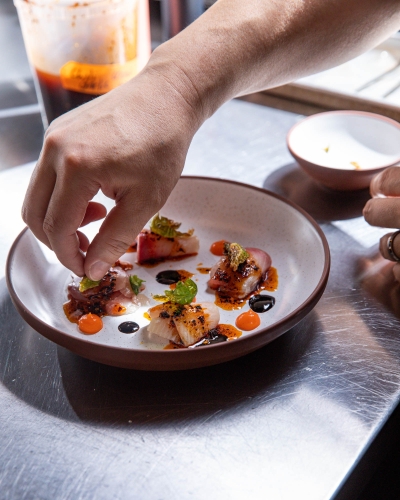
216,209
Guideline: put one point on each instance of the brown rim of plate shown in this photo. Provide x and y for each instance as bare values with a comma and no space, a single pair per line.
179,359
375,116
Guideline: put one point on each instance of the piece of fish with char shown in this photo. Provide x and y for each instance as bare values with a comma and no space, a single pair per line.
183,324
245,280
152,247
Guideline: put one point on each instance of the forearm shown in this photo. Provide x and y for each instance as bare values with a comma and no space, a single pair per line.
238,46
132,142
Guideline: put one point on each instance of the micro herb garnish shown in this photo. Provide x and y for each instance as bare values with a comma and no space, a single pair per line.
135,283
183,294
236,254
167,228
87,283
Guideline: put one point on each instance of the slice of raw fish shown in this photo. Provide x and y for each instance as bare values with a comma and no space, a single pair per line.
262,259
196,321
160,327
114,290
122,284
153,247
162,324
187,246
183,324
123,295
93,300
121,279
240,283
119,305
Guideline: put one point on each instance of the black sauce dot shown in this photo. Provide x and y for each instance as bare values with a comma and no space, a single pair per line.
168,277
128,327
261,303
213,337
217,339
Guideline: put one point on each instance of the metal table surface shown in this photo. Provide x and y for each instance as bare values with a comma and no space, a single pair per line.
291,420
288,421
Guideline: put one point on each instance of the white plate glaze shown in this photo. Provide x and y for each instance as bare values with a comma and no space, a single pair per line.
217,210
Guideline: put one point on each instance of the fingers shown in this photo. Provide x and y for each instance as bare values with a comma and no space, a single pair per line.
94,211
66,212
83,241
383,212
387,183
116,234
396,271
42,218
37,200
383,246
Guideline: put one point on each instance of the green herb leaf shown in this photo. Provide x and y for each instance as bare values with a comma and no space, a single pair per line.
135,283
226,247
87,283
161,298
167,228
184,293
236,255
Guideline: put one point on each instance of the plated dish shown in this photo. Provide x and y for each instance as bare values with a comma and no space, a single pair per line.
229,211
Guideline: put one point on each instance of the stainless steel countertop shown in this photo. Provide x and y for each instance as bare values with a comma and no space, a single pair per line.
289,421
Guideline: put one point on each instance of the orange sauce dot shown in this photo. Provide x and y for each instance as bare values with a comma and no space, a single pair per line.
147,316
118,309
90,324
248,320
217,248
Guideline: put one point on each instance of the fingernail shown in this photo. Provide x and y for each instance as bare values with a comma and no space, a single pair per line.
98,270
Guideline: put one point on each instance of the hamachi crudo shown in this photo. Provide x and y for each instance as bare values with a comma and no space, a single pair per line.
115,294
164,241
240,271
183,324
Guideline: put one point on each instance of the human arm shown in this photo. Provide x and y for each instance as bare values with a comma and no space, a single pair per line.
132,142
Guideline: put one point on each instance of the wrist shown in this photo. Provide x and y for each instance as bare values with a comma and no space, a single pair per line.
177,87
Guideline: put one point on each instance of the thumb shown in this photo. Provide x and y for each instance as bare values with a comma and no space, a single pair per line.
116,235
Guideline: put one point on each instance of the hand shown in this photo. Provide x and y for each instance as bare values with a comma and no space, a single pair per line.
384,210
376,276
131,144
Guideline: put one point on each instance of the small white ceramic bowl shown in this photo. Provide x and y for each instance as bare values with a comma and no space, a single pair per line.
345,149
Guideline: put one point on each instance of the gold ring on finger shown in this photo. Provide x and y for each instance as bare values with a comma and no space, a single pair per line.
390,249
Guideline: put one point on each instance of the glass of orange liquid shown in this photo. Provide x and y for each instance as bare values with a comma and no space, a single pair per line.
81,50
